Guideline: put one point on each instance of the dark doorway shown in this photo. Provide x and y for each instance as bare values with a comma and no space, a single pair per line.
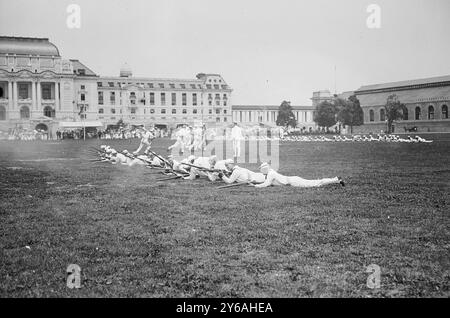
41,127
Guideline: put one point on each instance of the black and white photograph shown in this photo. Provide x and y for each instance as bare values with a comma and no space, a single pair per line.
224,154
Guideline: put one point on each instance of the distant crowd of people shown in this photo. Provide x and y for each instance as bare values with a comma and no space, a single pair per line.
359,138
118,133
128,133
24,134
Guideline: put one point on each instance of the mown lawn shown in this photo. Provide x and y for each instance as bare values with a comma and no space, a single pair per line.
133,236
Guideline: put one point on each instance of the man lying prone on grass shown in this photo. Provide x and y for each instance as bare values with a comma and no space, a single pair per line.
275,178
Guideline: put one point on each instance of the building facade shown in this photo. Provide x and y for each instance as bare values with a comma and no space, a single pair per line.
164,102
268,114
39,89
36,84
427,102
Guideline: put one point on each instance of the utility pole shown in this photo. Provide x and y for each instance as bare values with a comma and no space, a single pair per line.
335,91
82,114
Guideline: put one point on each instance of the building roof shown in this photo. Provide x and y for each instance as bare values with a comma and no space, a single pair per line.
416,83
77,66
27,46
150,79
269,107
346,95
406,96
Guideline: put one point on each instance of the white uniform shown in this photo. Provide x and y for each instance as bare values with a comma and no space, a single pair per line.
139,160
179,135
156,161
236,137
188,138
244,175
184,167
203,162
274,178
197,145
146,139
178,166
121,158
220,165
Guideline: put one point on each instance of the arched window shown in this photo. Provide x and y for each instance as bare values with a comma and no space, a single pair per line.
100,111
371,115
405,114
430,112
382,115
49,112
2,113
444,112
24,112
417,113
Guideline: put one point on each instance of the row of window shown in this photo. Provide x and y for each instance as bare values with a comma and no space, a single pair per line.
28,61
164,85
23,91
25,112
133,98
225,119
162,111
417,113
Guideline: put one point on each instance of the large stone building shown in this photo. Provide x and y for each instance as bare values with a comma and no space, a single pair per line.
164,102
268,114
39,89
36,85
427,102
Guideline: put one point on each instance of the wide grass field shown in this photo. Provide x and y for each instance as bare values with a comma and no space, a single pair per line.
134,237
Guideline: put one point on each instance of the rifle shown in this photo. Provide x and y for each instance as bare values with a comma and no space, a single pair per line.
148,164
234,185
170,178
204,169
160,158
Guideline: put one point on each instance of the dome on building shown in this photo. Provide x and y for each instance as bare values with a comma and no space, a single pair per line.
27,46
125,71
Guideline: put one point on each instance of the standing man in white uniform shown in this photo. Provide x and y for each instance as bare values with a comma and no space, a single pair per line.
146,139
236,137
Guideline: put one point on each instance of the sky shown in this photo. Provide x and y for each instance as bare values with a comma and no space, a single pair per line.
267,51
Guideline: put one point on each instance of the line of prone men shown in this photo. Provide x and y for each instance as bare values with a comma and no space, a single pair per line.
193,167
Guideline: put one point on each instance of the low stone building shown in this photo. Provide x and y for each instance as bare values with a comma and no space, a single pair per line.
427,102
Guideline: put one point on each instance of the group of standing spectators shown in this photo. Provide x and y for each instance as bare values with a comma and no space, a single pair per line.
24,134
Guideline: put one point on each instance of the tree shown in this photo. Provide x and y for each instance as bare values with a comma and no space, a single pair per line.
286,116
325,115
394,110
349,112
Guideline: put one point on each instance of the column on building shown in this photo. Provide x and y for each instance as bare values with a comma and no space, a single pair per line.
10,95
38,95
15,95
57,105
33,96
